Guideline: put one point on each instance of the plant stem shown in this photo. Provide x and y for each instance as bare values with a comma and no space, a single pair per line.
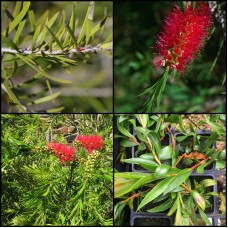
57,52
186,188
203,161
153,153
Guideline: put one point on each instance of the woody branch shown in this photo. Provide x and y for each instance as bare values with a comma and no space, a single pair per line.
77,50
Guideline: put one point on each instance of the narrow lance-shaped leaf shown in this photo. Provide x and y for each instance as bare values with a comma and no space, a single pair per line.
9,42
122,186
204,217
84,26
35,37
19,17
156,191
161,208
49,25
45,99
55,38
13,97
31,20
71,33
178,180
19,31
100,25
28,61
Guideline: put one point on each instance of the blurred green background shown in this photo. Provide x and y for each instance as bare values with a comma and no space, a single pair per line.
201,88
91,90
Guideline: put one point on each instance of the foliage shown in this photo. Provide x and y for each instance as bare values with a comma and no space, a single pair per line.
200,89
49,43
163,182
38,190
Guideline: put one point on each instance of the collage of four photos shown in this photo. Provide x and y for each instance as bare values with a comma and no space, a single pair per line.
113,113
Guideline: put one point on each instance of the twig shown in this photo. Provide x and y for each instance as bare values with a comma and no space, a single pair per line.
77,50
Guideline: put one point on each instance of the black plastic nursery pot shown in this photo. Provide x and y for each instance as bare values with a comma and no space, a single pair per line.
145,219
187,143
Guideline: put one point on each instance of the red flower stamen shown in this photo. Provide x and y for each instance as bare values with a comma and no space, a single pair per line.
183,36
63,152
90,142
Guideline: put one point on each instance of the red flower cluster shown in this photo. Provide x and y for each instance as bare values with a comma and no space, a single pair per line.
183,36
64,152
90,142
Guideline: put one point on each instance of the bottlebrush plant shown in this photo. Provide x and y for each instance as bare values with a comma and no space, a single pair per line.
161,186
182,37
54,183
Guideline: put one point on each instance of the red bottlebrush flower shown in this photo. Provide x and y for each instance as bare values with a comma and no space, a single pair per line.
64,152
90,142
183,36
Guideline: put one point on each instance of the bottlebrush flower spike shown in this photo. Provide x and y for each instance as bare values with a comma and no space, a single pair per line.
64,152
90,142
183,36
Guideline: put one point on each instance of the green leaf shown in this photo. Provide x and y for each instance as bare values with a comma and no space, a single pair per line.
178,219
62,218
71,34
119,213
31,20
165,153
9,43
122,186
19,17
204,217
55,38
13,97
88,30
30,63
144,131
100,25
181,124
46,193
207,182
181,138
35,37
199,199
156,191
166,205
173,208
144,180
155,92
86,20
143,119
131,175
155,139
161,170
17,8
177,180
124,131
127,143
45,99
19,31
55,110
147,164
49,25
